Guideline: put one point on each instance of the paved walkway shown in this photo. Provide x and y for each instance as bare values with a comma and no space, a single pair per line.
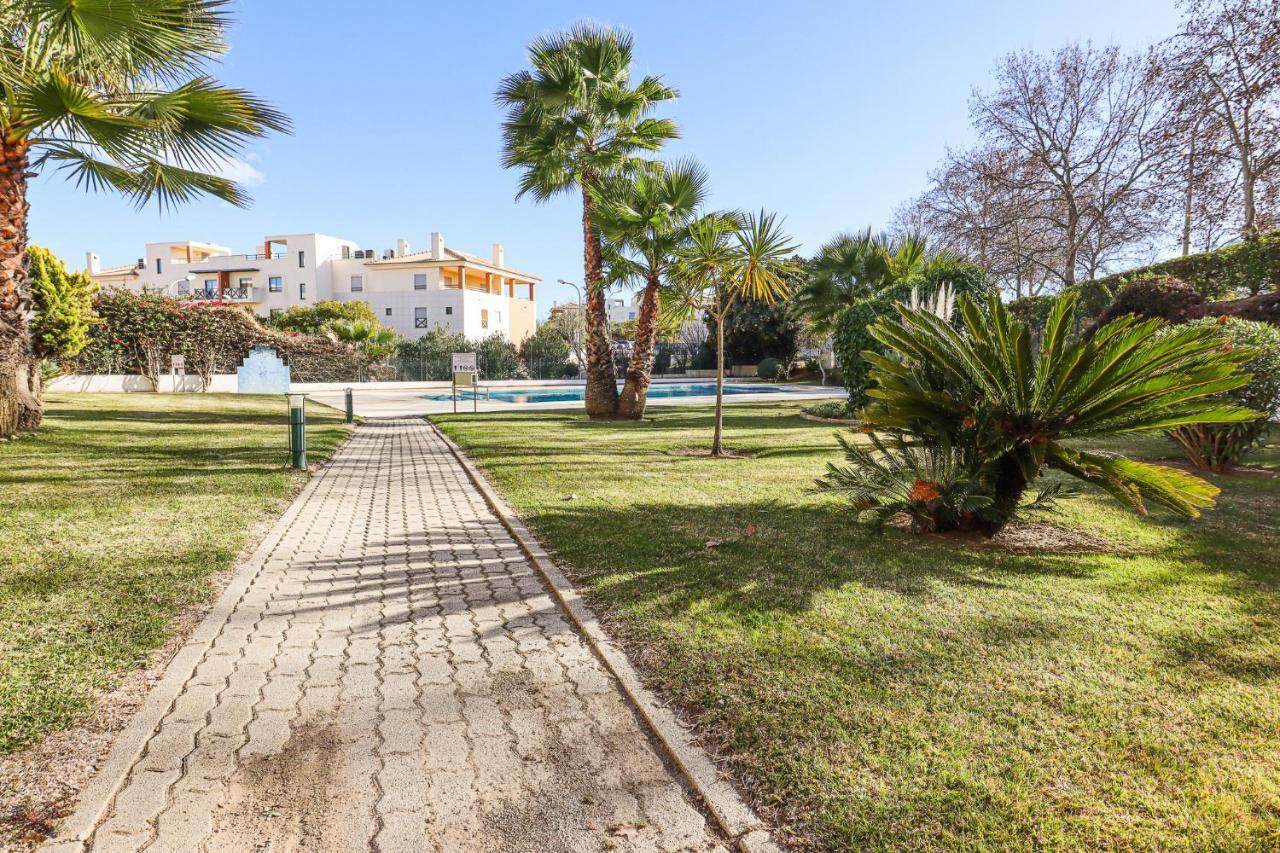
397,678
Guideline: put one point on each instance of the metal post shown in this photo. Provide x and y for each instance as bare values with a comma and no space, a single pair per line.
351,409
298,430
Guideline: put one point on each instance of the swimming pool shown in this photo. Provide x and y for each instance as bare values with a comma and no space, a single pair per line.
571,393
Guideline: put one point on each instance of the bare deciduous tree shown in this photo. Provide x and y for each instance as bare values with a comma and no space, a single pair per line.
1224,67
1090,124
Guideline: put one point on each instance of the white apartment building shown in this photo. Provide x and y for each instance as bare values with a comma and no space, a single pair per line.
410,292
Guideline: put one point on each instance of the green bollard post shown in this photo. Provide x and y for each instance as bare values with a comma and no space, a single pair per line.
351,408
298,430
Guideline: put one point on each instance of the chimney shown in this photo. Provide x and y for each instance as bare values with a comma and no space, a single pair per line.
497,254
402,248
437,246
93,263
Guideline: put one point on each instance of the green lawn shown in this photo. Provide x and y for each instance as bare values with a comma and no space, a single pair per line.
113,517
903,692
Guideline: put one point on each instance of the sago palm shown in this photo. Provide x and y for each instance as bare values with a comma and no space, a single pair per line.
1009,407
573,120
646,218
727,257
113,94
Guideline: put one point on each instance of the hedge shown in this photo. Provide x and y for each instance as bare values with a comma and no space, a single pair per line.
1250,267
138,333
1175,301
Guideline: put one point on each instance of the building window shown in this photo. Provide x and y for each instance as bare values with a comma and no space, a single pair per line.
484,318
388,312
419,281
211,286
302,259
302,290
357,283
346,253
448,309
159,268
275,284
419,318
246,282
276,312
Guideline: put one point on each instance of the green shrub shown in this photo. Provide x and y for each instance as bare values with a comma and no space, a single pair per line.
1249,267
322,317
755,330
769,369
497,359
1004,411
1163,297
851,339
545,353
61,303
832,409
1218,447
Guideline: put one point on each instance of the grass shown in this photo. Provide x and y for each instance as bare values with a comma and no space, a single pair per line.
903,692
113,518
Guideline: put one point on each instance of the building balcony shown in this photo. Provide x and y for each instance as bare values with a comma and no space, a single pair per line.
227,294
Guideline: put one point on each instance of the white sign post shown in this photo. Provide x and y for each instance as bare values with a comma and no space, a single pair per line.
464,373
178,368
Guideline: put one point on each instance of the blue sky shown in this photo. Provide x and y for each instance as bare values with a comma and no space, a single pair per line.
829,113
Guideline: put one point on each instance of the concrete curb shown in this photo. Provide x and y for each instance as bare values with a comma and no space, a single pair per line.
77,830
747,832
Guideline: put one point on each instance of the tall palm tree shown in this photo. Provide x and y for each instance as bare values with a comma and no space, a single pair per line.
646,217
729,256
113,94
572,121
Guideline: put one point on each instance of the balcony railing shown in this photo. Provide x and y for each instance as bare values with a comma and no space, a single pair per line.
228,294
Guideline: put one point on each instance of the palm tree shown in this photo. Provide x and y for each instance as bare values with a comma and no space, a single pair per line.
1011,409
852,267
114,95
374,340
572,121
646,218
729,256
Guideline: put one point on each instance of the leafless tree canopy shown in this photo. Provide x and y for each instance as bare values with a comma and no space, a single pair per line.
1092,160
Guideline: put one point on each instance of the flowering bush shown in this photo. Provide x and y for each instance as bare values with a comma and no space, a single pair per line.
139,332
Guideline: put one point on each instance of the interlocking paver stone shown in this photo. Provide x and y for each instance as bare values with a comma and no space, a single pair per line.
397,677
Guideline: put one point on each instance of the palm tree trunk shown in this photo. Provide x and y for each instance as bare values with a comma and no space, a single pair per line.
1010,484
717,445
601,394
19,404
640,366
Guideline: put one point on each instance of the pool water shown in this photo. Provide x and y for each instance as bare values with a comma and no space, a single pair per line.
570,393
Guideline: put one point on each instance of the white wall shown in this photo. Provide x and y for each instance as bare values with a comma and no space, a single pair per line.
118,382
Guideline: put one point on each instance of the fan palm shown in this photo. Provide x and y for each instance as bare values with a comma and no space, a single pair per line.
646,218
852,267
729,256
376,341
112,93
572,121
1010,408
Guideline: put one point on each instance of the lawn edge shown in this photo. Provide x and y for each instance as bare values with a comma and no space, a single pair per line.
96,797
738,820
